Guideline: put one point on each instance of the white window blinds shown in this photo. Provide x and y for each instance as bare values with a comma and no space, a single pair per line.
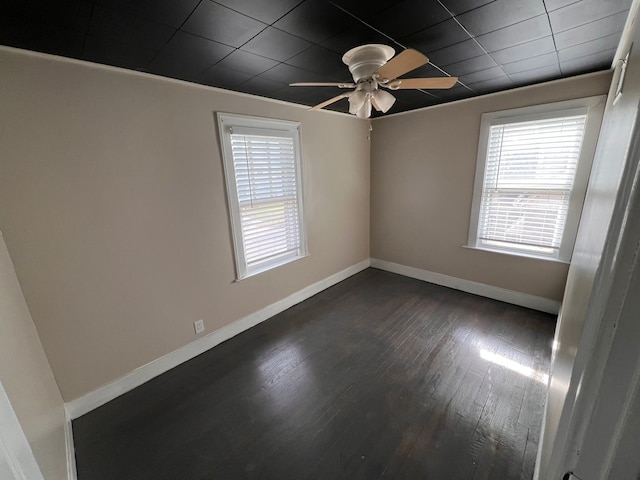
262,169
529,174
265,170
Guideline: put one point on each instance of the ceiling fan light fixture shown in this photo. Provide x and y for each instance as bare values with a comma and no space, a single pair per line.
356,100
384,100
374,66
365,110
364,60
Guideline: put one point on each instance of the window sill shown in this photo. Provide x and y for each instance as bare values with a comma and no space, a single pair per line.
518,254
270,266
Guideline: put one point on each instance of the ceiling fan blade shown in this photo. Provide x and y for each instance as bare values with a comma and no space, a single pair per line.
330,101
402,63
323,84
427,83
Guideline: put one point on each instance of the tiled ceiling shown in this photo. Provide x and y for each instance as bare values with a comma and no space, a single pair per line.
259,47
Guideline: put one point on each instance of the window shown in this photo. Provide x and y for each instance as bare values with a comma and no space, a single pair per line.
262,170
532,171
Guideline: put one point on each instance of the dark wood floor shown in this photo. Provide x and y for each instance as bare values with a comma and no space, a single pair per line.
380,376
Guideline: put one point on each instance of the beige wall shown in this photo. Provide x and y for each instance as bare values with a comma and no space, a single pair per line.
27,378
112,203
422,173
113,207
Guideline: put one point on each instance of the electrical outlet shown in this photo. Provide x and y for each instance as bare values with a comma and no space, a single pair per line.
199,326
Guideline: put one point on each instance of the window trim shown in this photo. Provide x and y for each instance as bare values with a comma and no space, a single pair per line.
593,107
245,123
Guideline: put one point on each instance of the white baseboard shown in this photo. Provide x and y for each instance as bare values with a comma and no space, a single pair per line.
72,473
100,396
509,296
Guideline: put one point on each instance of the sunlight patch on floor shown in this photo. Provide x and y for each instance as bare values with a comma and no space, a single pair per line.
514,366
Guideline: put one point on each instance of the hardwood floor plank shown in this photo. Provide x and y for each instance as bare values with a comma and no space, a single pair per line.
529,460
380,376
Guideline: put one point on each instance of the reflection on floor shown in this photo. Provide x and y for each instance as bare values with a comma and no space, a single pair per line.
380,376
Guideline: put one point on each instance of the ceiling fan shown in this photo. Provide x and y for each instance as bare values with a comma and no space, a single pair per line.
373,67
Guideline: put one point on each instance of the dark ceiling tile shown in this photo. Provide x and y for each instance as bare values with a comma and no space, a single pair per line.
457,92
354,36
311,98
491,85
434,38
456,53
460,6
66,14
589,48
591,31
424,102
525,50
312,35
402,106
221,77
307,96
63,42
531,63
320,60
408,17
315,21
261,86
21,36
265,11
247,62
112,52
288,74
590,63
470,65
489,73
536,75
532,29
169,12
500,14
46,39
276,44
556,4
127,29
425,71
187,56
223,25
585,11
366,10
341,106
414,98
71,15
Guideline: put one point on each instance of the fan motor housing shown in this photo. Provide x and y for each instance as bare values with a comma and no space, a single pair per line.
366,59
